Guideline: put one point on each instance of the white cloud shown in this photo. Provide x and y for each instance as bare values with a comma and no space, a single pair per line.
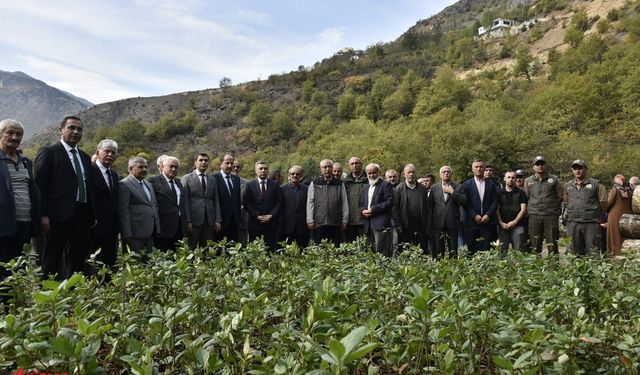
91,85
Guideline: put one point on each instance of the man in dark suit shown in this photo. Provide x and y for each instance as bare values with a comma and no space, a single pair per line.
376,204
201,201
229,196
446,199
482,201
411,213
262,199
293,215
104,235
171,204
138,208
62,172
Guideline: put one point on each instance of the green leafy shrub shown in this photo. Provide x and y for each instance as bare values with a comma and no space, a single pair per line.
326,310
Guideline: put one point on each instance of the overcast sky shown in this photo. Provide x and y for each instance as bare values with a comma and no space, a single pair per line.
114,49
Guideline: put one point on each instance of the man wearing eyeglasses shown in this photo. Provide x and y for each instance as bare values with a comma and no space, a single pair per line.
584,199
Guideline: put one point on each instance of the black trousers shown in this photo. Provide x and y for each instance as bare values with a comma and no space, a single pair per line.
448,237
11,246
330,233
166,244
230,231
479,237
67,244
108,246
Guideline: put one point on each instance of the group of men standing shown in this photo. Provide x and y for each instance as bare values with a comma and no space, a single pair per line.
84,206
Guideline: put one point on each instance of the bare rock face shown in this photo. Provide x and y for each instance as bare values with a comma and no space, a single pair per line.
34,103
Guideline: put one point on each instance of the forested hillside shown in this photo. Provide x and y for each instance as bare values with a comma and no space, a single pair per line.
436,95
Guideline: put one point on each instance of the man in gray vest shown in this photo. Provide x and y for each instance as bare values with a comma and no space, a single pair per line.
544,194
327,206
584,199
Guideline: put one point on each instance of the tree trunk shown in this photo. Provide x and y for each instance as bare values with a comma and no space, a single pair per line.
630,226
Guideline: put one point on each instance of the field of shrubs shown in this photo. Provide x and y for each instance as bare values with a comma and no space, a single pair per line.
326,310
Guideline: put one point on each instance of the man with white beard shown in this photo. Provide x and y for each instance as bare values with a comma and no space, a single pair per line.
376,203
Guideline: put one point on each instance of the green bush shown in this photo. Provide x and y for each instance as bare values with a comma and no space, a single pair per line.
326,311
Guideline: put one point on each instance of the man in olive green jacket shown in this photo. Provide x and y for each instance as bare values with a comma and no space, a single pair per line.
544,194
355,182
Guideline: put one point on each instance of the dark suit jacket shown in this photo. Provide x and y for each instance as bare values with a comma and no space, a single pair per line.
293,215
400,206
58,183
8,204
106,203
229,203
173,214
489,202
138,216
255,205
446,214
381,205
199,202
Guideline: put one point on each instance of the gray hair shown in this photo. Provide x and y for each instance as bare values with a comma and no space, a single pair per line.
9,122
169,159
160,159
136,160
261,162
108,143
373,165
296,167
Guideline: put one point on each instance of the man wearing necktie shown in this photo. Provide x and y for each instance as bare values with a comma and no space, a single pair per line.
61,172
202,205
171,204
262,200
446,199
104,235
228,186
138,208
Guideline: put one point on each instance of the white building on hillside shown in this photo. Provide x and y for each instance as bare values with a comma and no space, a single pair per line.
499,27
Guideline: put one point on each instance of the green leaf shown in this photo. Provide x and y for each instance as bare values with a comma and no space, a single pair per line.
337,349
361,351
502,363
523,357
354,338
63,346
202,356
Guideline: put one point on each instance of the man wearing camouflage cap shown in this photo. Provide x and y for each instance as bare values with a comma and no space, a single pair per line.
544,194
584,199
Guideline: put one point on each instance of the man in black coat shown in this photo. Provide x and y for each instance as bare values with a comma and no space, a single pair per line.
104,235
411,213
262,199
446,199
230,203
482,202
376,204
293,214
171,205
62,172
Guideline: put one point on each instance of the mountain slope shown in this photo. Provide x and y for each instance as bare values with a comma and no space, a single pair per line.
34,103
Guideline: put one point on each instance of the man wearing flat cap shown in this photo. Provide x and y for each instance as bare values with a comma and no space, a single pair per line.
584,199
544,194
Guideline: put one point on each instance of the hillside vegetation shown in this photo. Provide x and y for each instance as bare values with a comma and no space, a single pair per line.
435,96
